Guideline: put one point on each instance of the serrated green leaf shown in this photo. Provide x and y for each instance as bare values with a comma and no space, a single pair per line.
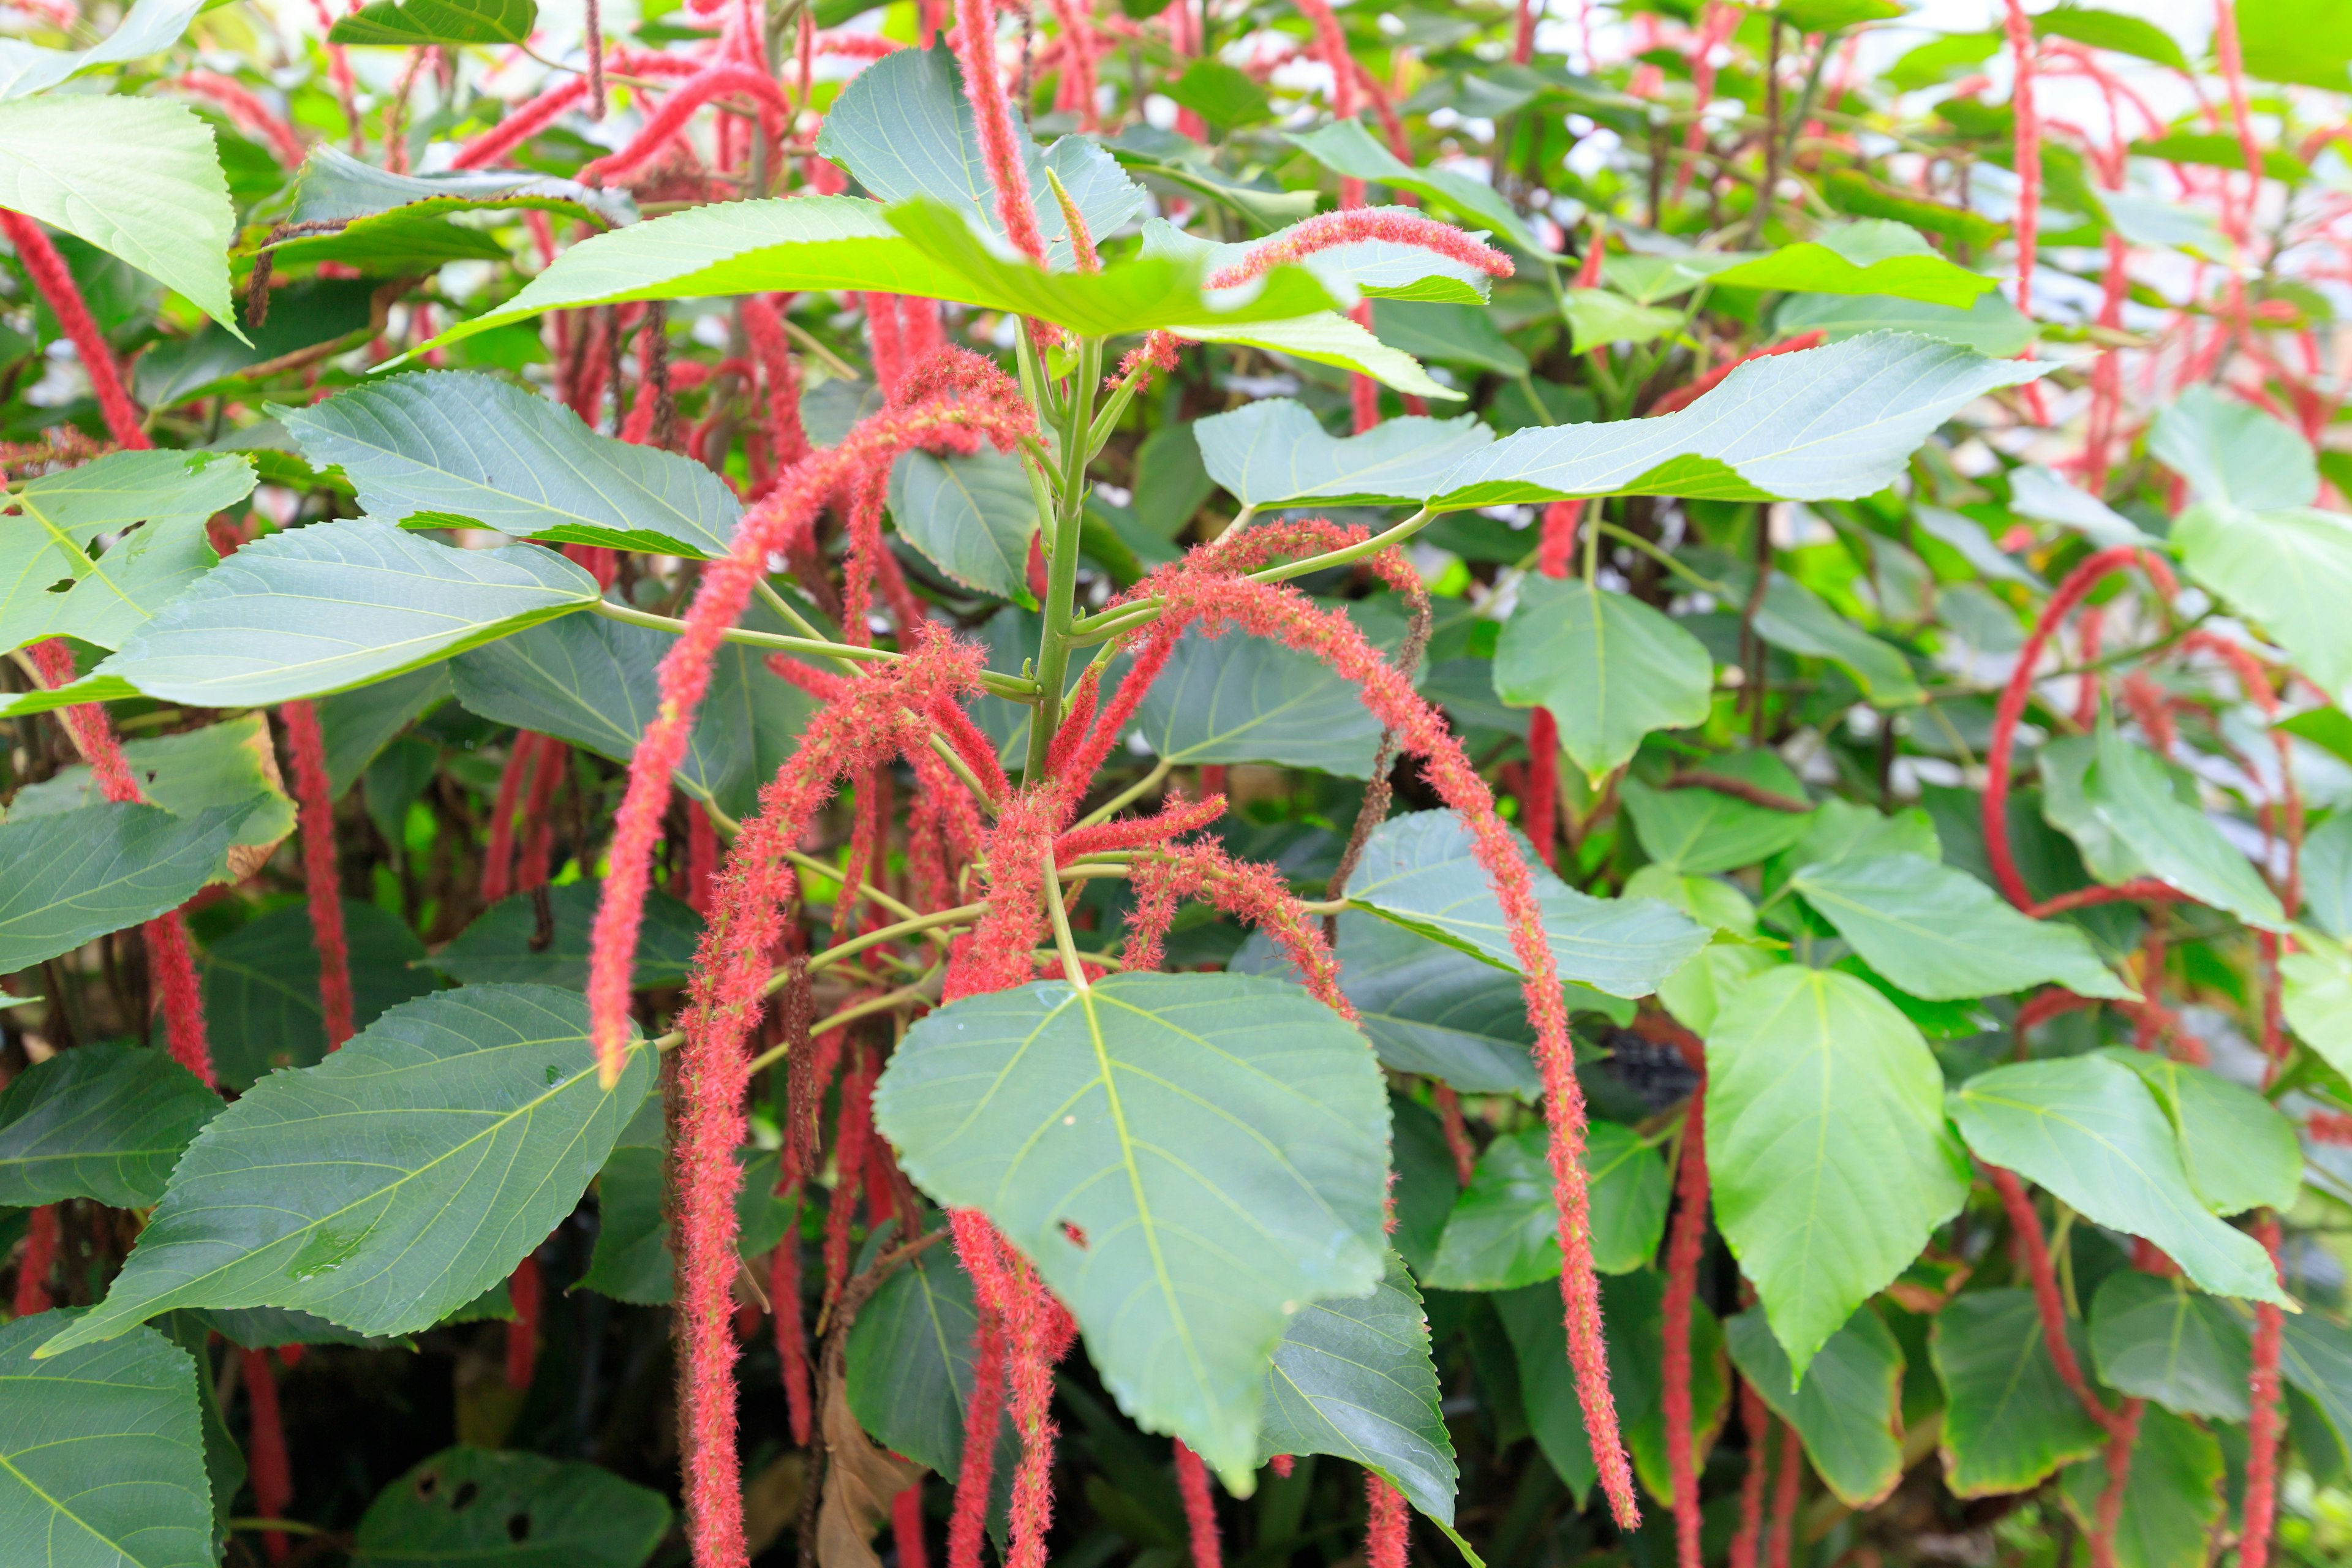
474,1508
2157,1338
2009,1420
1831,1160
2241,1152
1325,338
2088,1129
1244,699
1793,617
1872,255
228,765
1697,830
74,875
1346,147
1275,450
1220,1141
1849,1408
2130,790
2062,764
357,725
104,1122
2288,570
1505,1230
2036,492
409,24
261,987
394,1182
1611,669
431,446
146,28
503,945
972,517
2326,862
909,1363
2306,41
2317,991
2172,1493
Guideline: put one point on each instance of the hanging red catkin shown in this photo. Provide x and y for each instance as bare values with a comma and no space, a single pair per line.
2026,1225
1387,1532
2118,1460
1784,1497
1200,1508
2263,1421
497,859
273,1478
992,115
907,1527
33,1265
1682,1280
853,1135
522,1329
532,870
1457,1134
983,1414
1757,1423
791,1334
322,879
54,281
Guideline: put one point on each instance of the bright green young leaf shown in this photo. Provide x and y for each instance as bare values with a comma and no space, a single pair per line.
1942,936
1609,667
2173,1493
2064,762
2306,41
972,517
2134,36
69,876
1219,1141
1505,1230
411,24
104,1122
393,1183
103,1452
146,28
1712,901
1325,338
137,177
2317,993
1419,871
1599,317
433,446
1694,995
2158,1339
1427,1007
2128,787
1825,1131
2287,570
2233,454
316,609
333,185
1145,149
228,765
1697,830
1276,450
2327,860
1840,830
476,1508
1221,94
2088,1129
1848,1408
1991,327
503,946
1832,422
2241,1152
261,987
1346,148
2009,1420
1967,536
1243,699
1872,255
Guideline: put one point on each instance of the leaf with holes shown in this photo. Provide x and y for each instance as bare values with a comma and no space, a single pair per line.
104,1122
1942,936
229,766
1848,1408
2009,1419
1505,1230
474,1508
69,876
1611,669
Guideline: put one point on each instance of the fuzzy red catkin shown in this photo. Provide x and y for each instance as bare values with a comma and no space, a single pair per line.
273,1478
2027,157
853,1135
1331,48
1757,1423
54,281
1682,1281
2118,1458
1784,1497
33,1265
763,328
1386,1525
1200,1508
1541,813
2026,1225
522,1330
1397,225
1457,1134
322,879
792,1336
497,859
993,115
976,1471
2262,1421
907,1527
713,82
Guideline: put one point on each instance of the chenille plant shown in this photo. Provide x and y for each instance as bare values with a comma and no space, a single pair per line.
1246,780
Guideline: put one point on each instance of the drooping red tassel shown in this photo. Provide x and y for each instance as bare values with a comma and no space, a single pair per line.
322,879
33,1265
1784,1497
522,1330
1387,1529
1200,1508
497,859
554,757
1541,818
993,115
273,1478
1457,1134
1757,1423
982,1414
2263,1423
701,858
907,1528
852,1137
54,281
1682,1280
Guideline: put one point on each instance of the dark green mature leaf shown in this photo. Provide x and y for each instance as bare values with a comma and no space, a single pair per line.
229,766
1244,699
1793,617
358,724
2091,1132
2241,1152
1276,450
433,446
1346,148
103,1452
1697,830
2315,1357
1219,1141
2128,787
2289,569
393,1183
503,946
1849,1408
137,177
2232,454
1825,1131
1223,95
1353,1378
1829,423
909,1360
473,1508
2009,1420
1449,332
972,517
1505,1230
2157,1338
1873,256
261,987
69,876
316,609
104,1122
1609,667
1941,934
2172,1493
1419,871
157,500
408,24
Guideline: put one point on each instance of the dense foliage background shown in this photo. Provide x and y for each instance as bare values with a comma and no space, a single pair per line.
494,1029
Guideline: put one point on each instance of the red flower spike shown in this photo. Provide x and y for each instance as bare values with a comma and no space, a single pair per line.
33,1265
273,1478
1258,896
907,1527
2330,1127
2263,1424
55,281
1556,546
1457,1134
792,1337
1540,813
1387,1534
1757,1423
882,333
523,1331
2020,29
1076,716
2026,1227
1682,1281
497,859
1326,230
1200,1508
714,81
2117,1457
1784,1497
1282,1464
321,878
976,53
975,1243
1179,817
763,327
853,1138
997,958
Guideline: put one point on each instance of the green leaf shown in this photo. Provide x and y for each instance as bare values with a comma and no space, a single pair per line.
137,177
104,1122
103,1452
2240,1151
407,24
1244,699
1827,424
261,987
1144,149
473,1508
1222,95
2306,41
1942,936
1420,871
2088,1129
2173,1493
1611,669
2233,454
389,224
1505,1230
2113,30
1872,255
1793,617
1599,317
1353,1378
1712,901
1991,327
148,27
2128,787
1220,1141
231,764
1275,450
358,724
503,945
425,448
910,1357
1449,332
2157,1338
1697,830
2035,492
1346,147
1428,1008
1326,338
1695,994
2009,1420
1849,1408
318,609
74,875
2064,763
1831,1161
2288,570
972,517
2327,852
390,1183
2317,993
633,1260
2315,1357
50,584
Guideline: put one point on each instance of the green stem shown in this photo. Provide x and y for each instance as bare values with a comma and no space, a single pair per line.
1126,797
1062,569
1064,942
1011,685
1662,558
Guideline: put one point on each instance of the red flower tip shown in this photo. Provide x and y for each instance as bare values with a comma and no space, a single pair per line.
1399,226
